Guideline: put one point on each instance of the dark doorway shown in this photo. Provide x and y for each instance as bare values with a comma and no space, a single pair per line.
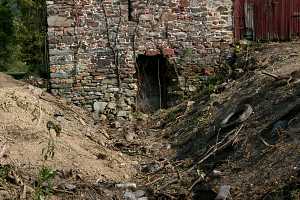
155,76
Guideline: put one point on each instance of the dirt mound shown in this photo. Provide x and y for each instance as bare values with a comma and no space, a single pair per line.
244,140
35,124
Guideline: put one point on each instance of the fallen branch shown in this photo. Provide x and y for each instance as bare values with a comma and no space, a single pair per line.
264,141
167,184
62,191
215,148
154,181
201,178
276,77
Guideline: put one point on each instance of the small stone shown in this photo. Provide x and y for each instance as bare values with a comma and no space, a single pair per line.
128,195
70,187
122,113
99,107
139,193
143,198
192,88
112,106
117,124
130,136
216,173
142,116
126,185
102,118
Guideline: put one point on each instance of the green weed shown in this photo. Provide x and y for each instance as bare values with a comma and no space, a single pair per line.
44,183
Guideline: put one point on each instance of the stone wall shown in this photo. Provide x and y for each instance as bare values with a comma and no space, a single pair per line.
93,46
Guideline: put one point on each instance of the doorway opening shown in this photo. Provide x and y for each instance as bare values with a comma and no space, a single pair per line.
155,77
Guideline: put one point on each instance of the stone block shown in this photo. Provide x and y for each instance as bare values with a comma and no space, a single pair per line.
99,107
58,21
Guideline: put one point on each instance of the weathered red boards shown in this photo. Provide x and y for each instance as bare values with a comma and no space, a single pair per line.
267,19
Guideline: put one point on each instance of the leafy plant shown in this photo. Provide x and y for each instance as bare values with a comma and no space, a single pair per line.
44,183
209,85
4,170
295,194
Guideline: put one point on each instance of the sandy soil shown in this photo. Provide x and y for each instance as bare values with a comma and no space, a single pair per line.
24,114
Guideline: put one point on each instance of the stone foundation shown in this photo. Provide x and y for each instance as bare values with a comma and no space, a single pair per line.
93,46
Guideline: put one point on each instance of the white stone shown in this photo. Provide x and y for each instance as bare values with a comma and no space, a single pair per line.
99,107
192,88
122,113
111,106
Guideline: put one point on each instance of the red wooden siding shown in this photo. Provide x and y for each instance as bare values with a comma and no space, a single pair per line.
272,19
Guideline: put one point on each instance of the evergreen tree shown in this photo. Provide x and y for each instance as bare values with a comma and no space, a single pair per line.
23,31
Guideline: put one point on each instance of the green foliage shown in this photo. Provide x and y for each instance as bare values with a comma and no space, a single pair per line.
295,194
209,86
23,30
7,35
44,183
4,170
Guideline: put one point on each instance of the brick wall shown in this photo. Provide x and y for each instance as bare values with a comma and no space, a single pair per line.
93,46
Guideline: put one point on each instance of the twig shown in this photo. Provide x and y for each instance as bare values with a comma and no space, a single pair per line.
154,181
276,77
216,148
264,141
62,191
201,178
167,184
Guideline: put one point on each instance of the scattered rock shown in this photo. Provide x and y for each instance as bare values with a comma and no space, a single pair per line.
137,195
241,114
130,136
143,198
150,167
70,187
129,196
102,118
224,192
99,107
116,124
125,185
216,173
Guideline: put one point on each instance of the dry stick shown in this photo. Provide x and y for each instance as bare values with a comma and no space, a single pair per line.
276,77
201,178
154,181
62,191
263,141
167,184
216,148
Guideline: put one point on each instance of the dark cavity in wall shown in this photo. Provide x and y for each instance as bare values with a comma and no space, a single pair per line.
156,79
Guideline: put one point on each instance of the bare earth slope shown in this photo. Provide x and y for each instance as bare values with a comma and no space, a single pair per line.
24,114
256,154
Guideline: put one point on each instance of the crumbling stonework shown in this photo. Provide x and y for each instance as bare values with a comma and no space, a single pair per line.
93,46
